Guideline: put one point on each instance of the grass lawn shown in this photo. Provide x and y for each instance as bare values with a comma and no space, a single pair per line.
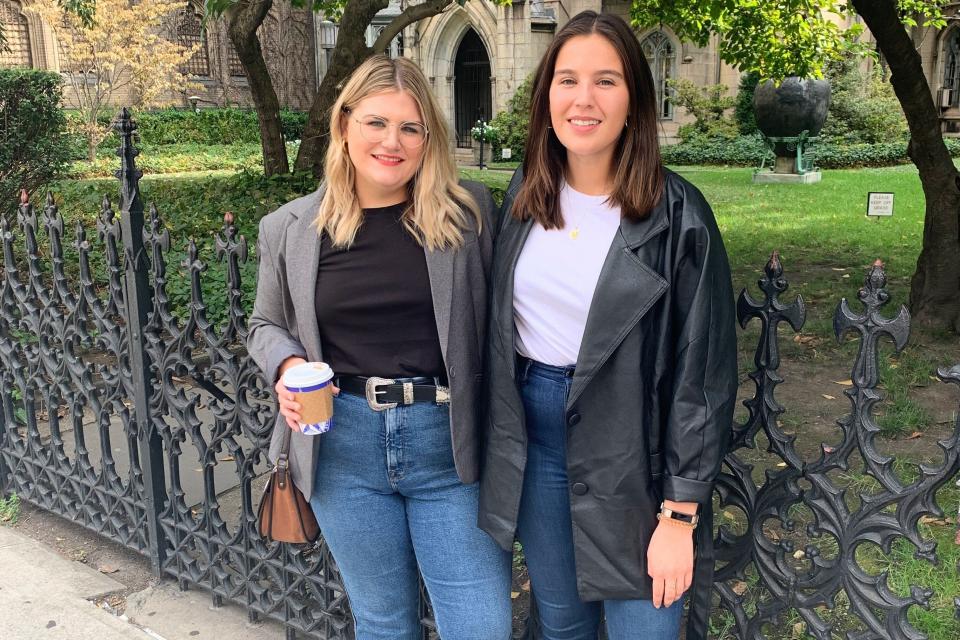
825,240
821,231
180,158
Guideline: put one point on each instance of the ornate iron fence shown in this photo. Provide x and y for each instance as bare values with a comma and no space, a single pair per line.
180,419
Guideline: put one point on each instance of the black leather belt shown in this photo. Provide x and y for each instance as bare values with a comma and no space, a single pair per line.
386,393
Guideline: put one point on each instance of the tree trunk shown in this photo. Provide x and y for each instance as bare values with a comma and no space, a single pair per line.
223,62
244,20
350,51
935,287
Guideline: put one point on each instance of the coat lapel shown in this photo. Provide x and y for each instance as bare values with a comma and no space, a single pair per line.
626,290
509,246
440,270
303,259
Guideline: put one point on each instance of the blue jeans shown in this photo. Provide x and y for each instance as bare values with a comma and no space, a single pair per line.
389,502
546,531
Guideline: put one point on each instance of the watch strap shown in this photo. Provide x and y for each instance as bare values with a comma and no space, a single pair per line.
689,519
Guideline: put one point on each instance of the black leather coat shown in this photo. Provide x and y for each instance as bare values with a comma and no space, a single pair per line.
652,398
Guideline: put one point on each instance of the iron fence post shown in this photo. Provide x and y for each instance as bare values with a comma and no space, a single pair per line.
138,303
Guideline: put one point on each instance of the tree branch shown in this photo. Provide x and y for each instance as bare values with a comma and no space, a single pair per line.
410,15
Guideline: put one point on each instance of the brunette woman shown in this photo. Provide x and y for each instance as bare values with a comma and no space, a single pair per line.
612,356
382,275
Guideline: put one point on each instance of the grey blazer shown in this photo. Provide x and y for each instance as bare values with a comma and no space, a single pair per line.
284,321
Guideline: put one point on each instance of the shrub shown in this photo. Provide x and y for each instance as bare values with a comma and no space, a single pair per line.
33,148
863,107
190,208
708,106
513,123
741,151
749,151
194,208
743,111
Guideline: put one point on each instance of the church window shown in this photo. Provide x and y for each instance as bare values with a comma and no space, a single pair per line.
190,34
14,26
661,56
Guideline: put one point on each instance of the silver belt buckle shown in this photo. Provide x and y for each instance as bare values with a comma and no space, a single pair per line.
371,392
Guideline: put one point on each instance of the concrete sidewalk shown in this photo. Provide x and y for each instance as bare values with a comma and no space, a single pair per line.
44,595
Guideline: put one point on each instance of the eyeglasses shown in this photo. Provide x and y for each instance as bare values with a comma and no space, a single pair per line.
374,129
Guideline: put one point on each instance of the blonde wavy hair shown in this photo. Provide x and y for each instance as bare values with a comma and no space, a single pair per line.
436,215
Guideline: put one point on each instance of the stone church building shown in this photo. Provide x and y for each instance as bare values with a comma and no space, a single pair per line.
475,56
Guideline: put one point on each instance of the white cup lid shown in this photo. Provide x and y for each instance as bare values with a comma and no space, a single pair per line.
307,374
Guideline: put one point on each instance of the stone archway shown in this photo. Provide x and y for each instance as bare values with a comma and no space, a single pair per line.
471,92
439,39
949,73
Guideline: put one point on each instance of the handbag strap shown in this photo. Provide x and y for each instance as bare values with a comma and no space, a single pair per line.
282,468
285,444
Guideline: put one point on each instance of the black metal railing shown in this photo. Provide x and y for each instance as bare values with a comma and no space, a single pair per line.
149,425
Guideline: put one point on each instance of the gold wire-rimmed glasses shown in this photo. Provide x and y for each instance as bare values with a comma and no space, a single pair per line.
374,129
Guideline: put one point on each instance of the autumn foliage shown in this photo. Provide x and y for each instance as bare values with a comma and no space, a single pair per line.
126,53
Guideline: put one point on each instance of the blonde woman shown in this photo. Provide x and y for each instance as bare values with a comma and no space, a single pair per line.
382,274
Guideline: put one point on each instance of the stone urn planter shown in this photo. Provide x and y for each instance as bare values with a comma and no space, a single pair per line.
798,107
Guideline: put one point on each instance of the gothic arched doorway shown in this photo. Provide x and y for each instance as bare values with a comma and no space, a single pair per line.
471,91
951,70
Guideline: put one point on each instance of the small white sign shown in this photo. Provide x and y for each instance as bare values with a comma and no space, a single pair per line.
879,204
506,153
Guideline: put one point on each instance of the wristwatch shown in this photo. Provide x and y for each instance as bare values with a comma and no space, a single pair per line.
677,517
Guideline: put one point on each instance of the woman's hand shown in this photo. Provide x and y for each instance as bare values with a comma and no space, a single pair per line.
670,559
289,408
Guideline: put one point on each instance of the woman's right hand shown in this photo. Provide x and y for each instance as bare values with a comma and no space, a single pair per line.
289,408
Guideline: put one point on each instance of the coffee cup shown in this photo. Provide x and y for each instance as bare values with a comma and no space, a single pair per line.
312,386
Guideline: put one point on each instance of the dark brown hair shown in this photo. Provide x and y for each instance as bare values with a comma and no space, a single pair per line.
638,180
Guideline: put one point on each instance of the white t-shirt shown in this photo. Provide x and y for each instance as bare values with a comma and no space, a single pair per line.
556,275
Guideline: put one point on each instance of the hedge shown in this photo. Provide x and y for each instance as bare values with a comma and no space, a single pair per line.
208,127
749,151
193,208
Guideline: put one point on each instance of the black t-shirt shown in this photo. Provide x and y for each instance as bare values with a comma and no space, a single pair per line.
373,302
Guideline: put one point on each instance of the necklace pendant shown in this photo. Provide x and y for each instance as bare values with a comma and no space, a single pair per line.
574,233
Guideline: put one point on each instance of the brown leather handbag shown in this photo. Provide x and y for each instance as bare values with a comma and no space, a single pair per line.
284,514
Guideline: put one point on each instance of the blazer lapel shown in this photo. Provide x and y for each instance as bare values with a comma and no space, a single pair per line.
440,270
303,261
509,246
626,290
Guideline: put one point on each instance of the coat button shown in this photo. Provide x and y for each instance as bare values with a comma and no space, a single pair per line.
573,419
579,488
